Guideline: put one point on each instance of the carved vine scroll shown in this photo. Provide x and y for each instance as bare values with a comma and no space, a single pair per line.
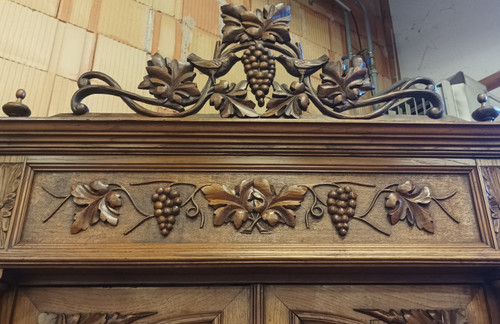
10,176
255,204
91,318
262,40
417,316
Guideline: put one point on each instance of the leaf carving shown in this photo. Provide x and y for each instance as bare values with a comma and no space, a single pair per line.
241,25
406,203
341,82
288,102
170,80
233,31
417,316
254,200
100,204
229,99
492,183
229,206
10,176
91,318
285,202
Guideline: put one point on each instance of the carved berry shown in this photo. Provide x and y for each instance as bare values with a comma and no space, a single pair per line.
167,202
341,204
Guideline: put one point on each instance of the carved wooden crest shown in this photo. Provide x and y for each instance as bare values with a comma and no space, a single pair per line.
259,41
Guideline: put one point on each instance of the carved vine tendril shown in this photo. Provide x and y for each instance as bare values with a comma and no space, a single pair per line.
256,35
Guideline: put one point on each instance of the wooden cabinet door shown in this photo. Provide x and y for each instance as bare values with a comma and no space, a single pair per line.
357,304
273,304
172,305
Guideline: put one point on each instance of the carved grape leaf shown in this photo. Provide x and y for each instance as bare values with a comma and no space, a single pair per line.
406,203
241,25
229,99
289,102
254,197
230,207
233,31
170,79
417,316
280,206
342,82
100,203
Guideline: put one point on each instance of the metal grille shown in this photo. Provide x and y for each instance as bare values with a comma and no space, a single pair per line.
459,93
410,107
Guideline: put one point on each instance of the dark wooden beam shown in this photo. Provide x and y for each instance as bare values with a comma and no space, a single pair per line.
492,81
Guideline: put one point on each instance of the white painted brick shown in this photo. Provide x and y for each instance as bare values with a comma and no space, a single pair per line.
76,52
126,21
79,11
166,45
26,36
123,63
168,6
48,7
60,102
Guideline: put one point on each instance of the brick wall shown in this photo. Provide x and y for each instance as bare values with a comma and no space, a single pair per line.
46,44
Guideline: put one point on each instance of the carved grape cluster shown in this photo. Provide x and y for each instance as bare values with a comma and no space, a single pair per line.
341,207
260,69
167,203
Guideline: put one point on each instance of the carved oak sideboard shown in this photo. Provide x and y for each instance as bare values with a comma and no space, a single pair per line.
124,219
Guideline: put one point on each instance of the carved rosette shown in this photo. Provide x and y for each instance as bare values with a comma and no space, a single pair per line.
10,177
417,316
255,203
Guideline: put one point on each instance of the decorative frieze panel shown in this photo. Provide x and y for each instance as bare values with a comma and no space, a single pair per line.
366,208
10,176
255,204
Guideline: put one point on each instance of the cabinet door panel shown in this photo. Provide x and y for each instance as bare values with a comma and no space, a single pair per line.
173,305
375,304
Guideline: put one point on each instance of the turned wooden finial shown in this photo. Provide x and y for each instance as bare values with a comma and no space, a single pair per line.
485,112
17,109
